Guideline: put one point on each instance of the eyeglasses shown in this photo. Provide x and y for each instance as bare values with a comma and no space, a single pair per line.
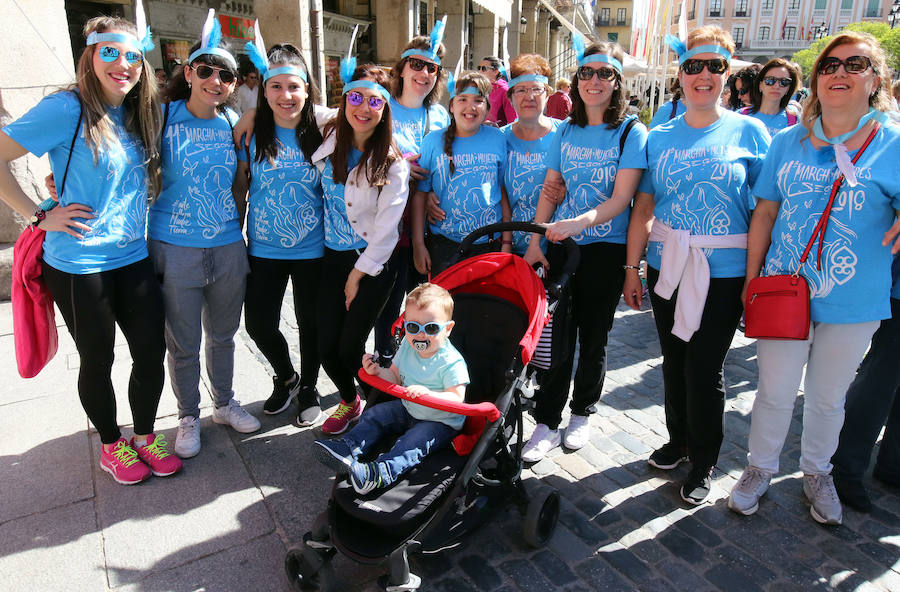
530,92
418,65
486,68
203,72
586,73
108,53
356,99
432,328
715,66
783,82
852,65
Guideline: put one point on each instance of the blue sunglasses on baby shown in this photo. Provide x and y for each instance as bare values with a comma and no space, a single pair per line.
432,328
108,53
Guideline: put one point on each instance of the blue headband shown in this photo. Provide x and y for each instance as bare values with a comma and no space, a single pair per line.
603,58
292,70
684,54
217,51
367,84
469,90
129,40
423,53
528,78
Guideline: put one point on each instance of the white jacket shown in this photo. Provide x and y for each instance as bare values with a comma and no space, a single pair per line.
374,215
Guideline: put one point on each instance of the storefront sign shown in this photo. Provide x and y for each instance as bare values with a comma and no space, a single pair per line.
237,27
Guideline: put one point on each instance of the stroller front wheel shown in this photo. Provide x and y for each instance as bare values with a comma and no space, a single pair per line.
308,570
540,518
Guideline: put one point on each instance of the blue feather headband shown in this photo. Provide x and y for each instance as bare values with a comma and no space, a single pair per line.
578,45
681,50
142,43
257,53
210,38
437,37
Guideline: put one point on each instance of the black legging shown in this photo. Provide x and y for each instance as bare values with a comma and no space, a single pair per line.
92,304
343,333
266,285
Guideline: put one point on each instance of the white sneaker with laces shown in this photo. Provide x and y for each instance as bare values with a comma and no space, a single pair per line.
187,440
577,432
745,494
542,441
236,416
825,506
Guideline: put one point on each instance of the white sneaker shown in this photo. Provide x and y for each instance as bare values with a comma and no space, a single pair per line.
577,432
825,506
745,494
236,416
187,440
542,441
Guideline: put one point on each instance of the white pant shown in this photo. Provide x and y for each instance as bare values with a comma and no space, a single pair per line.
831,354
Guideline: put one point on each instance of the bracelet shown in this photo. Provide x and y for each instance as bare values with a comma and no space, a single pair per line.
507,242
637,268
38,217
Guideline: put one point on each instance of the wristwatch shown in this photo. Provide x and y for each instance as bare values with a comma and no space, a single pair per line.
37,217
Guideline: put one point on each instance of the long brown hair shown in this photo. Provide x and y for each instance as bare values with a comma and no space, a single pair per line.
466,79
419,42
141,103
880,99
756,97
379,152
615,112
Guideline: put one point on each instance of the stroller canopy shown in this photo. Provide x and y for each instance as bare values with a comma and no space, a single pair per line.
505,276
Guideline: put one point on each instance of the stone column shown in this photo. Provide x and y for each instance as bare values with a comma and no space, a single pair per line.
455,35
289,21
485,36
394,30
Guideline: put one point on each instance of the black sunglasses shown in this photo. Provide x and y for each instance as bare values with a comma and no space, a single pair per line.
418,65
586,73
852,65
203,72
783,82
714,65
486,68
743,91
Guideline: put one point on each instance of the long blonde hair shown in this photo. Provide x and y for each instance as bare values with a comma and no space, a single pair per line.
141,103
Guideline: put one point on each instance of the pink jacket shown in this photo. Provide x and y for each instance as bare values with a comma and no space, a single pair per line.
499,101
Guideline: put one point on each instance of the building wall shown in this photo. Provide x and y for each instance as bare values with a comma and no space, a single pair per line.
613,28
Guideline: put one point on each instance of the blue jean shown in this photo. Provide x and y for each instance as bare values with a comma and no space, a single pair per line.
203,290
417,438
872,402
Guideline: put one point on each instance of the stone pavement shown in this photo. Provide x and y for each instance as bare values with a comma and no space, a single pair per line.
225,522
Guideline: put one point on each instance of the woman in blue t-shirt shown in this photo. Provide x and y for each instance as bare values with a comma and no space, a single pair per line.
100,136
284,225
770,95
600,172
464,163
416,87
850,279
696,196
365,182
196,242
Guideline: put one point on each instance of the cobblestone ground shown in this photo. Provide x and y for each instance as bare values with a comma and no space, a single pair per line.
623,525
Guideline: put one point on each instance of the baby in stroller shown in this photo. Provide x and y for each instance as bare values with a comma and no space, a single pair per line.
426,364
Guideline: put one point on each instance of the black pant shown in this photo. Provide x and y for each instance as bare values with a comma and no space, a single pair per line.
692,370
595,290
384,341
442,250
342,338
266,285
91,305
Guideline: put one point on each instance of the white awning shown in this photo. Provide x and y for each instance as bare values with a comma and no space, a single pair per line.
502,8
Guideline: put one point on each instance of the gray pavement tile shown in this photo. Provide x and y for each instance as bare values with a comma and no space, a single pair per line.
45,456
60,549
601,576
482,574
54,379
627,563
526,576
553,567
211,506
730,578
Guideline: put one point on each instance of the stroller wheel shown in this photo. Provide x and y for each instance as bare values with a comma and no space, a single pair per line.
540,518
307,570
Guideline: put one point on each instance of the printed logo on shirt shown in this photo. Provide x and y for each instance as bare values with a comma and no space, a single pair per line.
338,232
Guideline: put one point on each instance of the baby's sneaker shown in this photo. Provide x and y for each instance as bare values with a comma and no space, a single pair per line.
365,477
155,455
334,454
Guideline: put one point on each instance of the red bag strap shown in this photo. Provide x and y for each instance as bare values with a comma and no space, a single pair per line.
822,225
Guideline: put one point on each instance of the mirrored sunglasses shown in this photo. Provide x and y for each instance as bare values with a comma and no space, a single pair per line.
852,65
586,73
108,53
772,81
203,72
418,65
714,65
432,328
356,99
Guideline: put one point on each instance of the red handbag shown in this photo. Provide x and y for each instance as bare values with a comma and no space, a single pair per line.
777,306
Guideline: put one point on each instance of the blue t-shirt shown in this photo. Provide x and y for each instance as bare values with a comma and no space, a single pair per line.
855,280
700,179
471,196
774,123
444,370
588,160
196,207
285,205
115,188
339,235
523,176
664,113
412,125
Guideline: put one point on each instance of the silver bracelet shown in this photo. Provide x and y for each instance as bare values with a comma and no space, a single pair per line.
637,268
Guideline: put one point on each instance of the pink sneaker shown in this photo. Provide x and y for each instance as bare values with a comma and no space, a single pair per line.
155,456
341,419
122,462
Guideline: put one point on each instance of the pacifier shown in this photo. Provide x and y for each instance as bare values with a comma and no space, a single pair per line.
420,344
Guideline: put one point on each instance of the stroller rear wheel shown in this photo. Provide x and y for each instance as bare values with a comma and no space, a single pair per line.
540,518
307,569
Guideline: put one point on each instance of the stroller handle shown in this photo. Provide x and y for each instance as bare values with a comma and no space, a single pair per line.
488,410
573,256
